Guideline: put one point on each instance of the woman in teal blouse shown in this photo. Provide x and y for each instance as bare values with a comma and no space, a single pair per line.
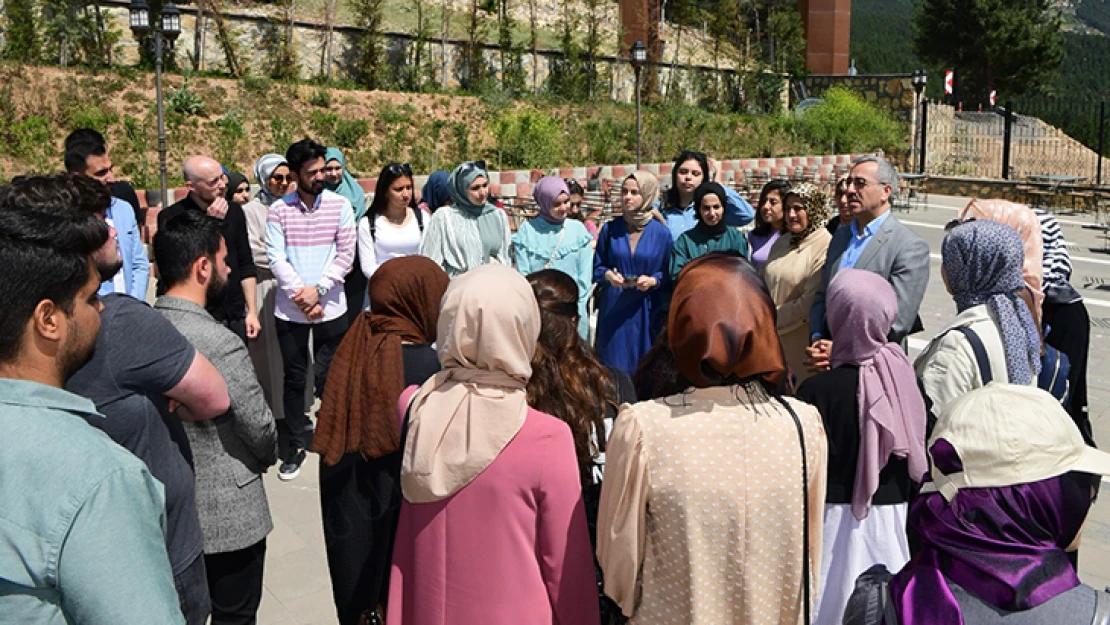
551,241
711,233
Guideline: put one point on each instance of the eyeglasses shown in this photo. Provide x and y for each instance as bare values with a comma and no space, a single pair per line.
798,208
402,169
282,178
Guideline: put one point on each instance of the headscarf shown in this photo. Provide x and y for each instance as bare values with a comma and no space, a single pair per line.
1028,226
649,191
348,186
704,189
490,229
1003,544
982,260
465,415
434,193
817,210
721,324
263,169
359,408
862,308
547,191
234,179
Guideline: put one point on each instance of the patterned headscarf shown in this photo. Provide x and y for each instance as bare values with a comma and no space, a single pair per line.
817,210
264,168
983,261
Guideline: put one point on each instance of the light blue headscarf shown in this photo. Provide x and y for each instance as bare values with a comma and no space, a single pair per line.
348,187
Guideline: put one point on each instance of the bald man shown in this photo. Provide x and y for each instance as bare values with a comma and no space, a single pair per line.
204,178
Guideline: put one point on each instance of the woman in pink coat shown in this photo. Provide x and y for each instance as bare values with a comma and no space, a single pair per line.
492,528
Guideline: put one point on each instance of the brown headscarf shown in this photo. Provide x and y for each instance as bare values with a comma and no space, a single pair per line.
722,324
366,378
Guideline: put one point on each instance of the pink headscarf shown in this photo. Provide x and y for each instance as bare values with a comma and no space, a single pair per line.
861,309
547,190
1028,226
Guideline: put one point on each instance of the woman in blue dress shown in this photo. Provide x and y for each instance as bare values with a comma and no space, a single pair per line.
631,263
551,241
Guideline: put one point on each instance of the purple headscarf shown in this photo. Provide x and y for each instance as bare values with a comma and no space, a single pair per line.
1005,545
862,308
547,190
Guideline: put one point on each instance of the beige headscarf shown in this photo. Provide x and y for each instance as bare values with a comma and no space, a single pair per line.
649,190
466,414
1028,226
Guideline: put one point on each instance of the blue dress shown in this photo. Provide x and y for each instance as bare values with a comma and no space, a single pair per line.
628,320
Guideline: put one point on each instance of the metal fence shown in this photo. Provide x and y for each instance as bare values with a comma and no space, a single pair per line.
1016,141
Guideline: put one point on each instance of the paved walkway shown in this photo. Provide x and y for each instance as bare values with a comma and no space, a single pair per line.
298,590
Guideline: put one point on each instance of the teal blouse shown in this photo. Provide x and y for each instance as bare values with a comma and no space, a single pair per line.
698,242
539,244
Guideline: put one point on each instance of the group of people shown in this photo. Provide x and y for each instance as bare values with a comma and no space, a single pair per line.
741,439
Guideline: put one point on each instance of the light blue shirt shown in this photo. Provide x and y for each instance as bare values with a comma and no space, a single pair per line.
738,212
858,243
539,245
82,522
136,266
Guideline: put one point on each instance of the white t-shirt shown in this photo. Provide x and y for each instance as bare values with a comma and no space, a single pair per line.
389,241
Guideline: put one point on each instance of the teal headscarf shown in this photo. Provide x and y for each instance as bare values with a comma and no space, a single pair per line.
348,187
489,227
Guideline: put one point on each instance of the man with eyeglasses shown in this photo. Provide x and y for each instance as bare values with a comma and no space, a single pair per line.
237,308
877,242
310,242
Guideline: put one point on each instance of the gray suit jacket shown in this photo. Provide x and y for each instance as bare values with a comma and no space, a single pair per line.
896,254
230,451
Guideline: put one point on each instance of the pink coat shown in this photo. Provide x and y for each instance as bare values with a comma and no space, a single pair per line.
511,547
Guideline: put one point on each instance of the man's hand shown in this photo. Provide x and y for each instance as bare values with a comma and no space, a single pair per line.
218,208
817,355
315,313
645,283
253,326
306,297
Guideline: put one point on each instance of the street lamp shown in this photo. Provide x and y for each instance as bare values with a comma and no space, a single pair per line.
918,80
638,57
166,30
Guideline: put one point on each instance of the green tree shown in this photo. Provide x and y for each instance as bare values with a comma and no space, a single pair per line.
21,32
367,46
1014,46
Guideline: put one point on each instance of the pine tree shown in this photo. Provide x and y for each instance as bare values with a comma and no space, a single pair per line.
21,32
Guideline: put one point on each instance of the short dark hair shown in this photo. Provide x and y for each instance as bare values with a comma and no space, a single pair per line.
574,187
84,135
77,155
302,152
181,241
45,247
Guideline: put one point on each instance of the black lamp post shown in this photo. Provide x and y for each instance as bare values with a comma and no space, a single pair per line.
638,57
918,80
166,30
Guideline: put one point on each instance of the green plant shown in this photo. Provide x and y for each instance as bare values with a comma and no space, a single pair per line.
390,114
22,40
184,101
256,85
281,134
230,138
368,47
321,97
323,125
844,123
349,132
528,139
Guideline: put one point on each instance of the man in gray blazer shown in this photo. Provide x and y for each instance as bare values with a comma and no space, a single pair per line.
232,451
879,243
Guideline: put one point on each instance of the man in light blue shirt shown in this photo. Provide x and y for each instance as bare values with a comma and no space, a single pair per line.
81,519
858,242
92,160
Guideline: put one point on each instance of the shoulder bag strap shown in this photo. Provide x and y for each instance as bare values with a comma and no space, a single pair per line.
805,510
1102,608
419,219
556,250
980,353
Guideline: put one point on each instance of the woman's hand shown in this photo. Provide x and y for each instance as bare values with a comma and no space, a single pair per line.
645,283
615,278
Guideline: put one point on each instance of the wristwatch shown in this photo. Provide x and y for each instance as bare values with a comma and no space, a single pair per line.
321,291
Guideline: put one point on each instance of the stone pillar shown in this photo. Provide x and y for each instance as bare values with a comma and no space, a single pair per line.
827,26
634,22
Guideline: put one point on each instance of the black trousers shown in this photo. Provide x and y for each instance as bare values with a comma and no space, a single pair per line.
192,592
1069,330
293,340
360,501
354,287
235,584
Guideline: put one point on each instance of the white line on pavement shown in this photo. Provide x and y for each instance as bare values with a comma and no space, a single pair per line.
1070,222
1086,300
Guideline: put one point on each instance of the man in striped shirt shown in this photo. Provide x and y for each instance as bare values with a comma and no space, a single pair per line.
310,243
1067,326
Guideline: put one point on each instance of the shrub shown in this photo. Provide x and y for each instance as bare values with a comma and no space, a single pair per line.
528,139
321,97
231,138
323,125
348,133
257,85
844,123
184,101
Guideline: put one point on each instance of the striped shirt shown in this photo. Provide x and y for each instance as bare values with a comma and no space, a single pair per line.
311,246
1057,262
